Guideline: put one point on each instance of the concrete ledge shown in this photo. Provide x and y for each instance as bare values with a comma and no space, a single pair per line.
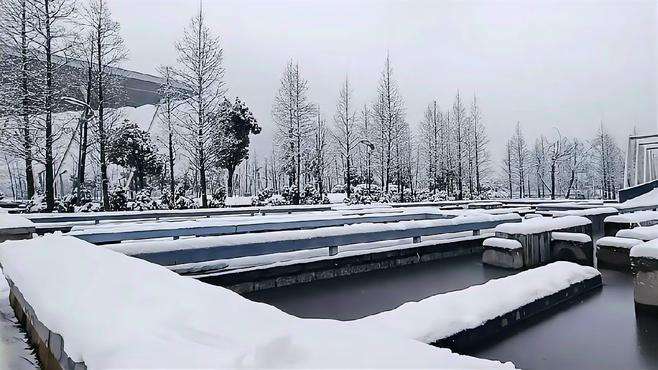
245,281
48,345
502,324
613,258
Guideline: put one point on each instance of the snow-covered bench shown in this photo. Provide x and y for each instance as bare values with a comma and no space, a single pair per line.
573,247
644,264
14,227
613,252
612,224
89,307
535,235
507,253
644,233
597,215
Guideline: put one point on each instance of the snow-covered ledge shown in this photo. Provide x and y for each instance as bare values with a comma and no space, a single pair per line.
145,316
468,317
644,263
14,227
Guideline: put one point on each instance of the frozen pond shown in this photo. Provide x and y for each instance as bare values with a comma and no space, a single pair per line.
601,331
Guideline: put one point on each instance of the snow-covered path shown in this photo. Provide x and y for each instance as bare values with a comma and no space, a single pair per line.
15,353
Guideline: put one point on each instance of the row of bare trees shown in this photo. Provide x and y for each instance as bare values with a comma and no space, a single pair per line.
561,166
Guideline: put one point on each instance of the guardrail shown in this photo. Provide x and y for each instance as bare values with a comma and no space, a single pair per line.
174,252
192,228
97,217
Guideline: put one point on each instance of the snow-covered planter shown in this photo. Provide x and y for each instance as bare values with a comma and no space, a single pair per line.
507,253
613,252
535,235
644,264
573,247
612,224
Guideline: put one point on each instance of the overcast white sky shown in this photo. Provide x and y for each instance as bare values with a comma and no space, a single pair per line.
546,64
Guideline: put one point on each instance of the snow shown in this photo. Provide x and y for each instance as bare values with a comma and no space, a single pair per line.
11,221
15,352
145,316
649,199
336,197
238,201
585,212
613,241
239,264
572,237
335,231
643,233
542,224
502,243
443,315
647,250
634,217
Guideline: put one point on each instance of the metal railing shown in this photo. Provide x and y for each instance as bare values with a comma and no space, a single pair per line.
184,251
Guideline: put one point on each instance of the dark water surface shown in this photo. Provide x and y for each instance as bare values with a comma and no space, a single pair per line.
600,331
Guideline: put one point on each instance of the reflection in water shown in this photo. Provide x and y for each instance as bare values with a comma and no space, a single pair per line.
597,332
647,336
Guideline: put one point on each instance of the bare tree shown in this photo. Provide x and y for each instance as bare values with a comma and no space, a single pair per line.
479,143
507,166
170,99
460,126
293,114
519,154
431,142
345,132
319,152
15,34
389,114
49,20
109,53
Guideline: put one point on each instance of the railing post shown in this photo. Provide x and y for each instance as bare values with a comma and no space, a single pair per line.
416,239
333,250
476,232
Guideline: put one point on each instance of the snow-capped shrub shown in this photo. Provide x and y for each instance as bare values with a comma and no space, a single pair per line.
67,203
143,201
88,207
339,188
118,199
36,204
218,198
289,193
165,200
276,200
264,195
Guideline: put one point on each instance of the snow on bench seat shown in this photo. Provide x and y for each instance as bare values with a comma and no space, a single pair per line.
616,242
542,224
644,233
646,250
633,217
571,237
502,243
441,316
585,212
15,227
114,311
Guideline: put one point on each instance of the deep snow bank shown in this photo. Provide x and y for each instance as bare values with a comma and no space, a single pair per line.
114,311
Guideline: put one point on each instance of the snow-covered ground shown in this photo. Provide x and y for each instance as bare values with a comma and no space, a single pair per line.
145,316
15,352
